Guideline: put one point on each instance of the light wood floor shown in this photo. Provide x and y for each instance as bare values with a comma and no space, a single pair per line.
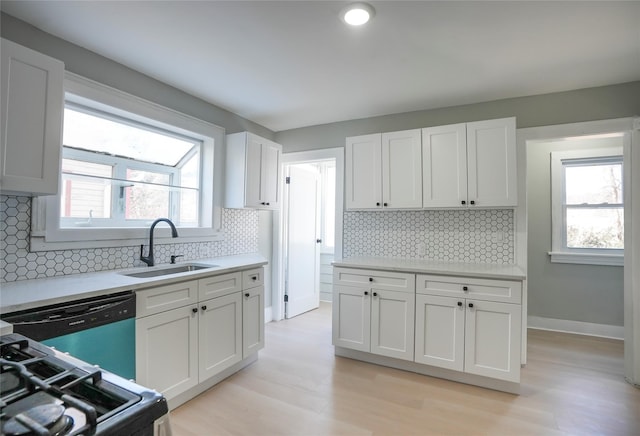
572,385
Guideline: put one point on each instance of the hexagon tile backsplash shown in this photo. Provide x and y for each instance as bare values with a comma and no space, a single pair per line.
17,263
472,236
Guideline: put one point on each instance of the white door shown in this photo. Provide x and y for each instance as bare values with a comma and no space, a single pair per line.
303,246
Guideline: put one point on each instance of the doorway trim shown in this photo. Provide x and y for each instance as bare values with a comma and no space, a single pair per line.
277,297
632,218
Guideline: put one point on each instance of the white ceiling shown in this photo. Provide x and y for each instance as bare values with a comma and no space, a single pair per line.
291,64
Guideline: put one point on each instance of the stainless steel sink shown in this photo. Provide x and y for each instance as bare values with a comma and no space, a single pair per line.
187,267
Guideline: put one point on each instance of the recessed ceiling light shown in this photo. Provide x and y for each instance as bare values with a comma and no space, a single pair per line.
357,14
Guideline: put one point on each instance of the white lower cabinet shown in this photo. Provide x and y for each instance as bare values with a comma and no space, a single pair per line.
468,325
378,317
167,351
252,320
214,328
475,335
220,334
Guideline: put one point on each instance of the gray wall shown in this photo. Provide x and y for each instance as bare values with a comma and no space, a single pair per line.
93,66
607,102
587,293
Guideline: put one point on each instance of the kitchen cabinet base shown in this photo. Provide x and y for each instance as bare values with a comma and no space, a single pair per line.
183,397
432,371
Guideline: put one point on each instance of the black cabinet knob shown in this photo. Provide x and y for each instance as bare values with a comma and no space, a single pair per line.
463,202
465,288
375,294
470,304
204,307
385,204
254,278
378,204
472,202
194,310
459,303
319,241
247,295
370,279
366,292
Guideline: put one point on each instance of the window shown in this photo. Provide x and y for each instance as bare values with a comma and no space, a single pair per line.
587,205
125,163
122,174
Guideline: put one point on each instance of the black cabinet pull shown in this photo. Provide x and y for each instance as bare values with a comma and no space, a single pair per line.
319,241
247,295
385,204
465,288
254,278
470,304
366,292
194,310
204,307
370,279
375,294
463,202
268,204
472,202
378,204
459,303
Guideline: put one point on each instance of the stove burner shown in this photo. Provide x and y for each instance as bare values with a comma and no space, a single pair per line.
46,419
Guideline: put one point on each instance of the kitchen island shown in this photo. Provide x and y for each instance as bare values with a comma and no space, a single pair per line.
462,322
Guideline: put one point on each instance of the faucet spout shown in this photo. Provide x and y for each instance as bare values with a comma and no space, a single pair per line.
149,258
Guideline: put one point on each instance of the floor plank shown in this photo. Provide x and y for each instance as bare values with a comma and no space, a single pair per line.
572,385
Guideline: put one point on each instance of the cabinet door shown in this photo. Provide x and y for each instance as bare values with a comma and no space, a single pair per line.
252,320
270,179
492,339
220,334
32,101
392,323
363,178
167,351
491,163
444,166
401,169
440,331
253,172
351,317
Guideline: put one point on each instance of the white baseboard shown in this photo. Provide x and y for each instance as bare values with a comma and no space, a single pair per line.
268,314
576,327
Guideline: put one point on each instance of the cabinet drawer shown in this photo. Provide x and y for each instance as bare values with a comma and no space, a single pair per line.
463,287
162,298
217,286
252,278
374,279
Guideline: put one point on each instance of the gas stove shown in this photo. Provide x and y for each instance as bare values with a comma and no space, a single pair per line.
45,392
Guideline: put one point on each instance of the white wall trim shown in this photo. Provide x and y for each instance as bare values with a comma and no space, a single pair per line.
278,266
576,327
268,315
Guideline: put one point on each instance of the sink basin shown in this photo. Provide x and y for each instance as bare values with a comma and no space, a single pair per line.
187,267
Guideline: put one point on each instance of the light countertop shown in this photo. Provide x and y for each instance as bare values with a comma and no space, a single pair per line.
29,294
489,271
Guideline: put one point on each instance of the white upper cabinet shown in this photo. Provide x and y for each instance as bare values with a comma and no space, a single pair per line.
383,171
32,99
470,165
252,172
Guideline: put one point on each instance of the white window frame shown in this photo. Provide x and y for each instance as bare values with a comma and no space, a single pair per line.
46,233
560,253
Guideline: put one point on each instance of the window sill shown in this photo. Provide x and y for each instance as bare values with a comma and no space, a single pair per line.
587,258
